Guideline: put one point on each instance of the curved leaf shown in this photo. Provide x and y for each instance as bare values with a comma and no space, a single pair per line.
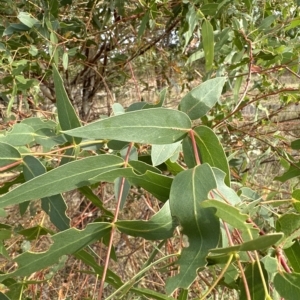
65,242
152,126
20,135
66,112
161,153
200,225
161,226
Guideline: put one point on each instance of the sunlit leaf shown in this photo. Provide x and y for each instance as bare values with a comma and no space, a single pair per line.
153,126
199,101
208,44
161,153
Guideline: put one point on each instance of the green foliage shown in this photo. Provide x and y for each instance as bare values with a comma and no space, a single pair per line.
186,160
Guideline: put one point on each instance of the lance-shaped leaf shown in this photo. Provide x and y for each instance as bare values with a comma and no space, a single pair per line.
289,224
152,126
55,205
9,154
64,178
210,150
207,33
161,226
255,282
288,285
64,243
161,153
262,242
232,216
66,114
20,135
199,224
199,101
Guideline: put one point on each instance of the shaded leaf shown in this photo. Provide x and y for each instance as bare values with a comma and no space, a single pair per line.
153,126
54,206
293,255
65,110
20,135
161,226
9,154
288,285
211,150
260,243
293,171
64,178
255,283
199,101
199,225
65,242
289,224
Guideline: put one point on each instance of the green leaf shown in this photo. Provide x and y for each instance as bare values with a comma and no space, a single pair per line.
9,154
255,283
191,23
12,28
267,22
293,171
65,60
161,226
27,19
66,113
54,206
260,243
38,123
48,138
64,243
223,192
157,184
20,135
143,26
293,255
288,285
211,150
199,101
152,126
161,153
295,144
289,224
296,199
232,216
208,44
64,178
199,225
